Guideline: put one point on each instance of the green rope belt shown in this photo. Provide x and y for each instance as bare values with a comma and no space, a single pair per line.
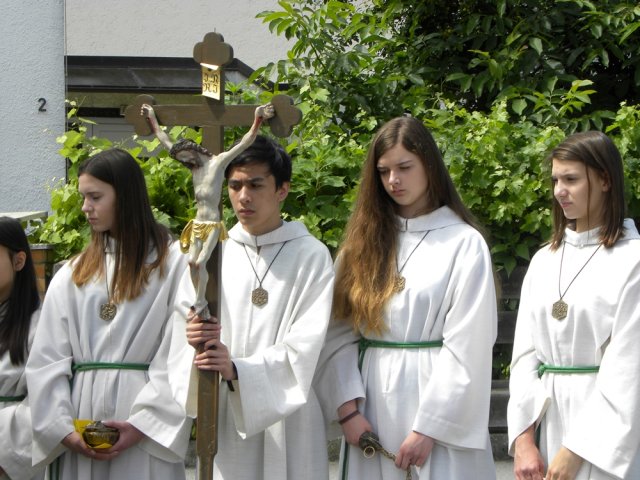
366,343
17,398
83,367
545,368
86,366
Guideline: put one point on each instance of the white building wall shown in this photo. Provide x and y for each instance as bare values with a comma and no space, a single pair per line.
35,36
32,67
170,28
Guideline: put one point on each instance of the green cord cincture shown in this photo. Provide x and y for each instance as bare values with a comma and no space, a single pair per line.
83,367
17,398
363,345
546,368
54,467
366,343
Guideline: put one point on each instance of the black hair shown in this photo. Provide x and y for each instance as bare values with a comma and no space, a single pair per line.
24,298
267,151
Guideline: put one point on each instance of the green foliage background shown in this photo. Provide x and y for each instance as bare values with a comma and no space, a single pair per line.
497,83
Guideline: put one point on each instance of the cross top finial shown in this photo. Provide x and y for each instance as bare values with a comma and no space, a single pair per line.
212,50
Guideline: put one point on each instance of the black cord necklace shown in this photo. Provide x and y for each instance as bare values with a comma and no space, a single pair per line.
560,308
260,296
399,282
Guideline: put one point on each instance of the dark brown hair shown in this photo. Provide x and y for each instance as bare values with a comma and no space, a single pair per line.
137,233
596,151
187,145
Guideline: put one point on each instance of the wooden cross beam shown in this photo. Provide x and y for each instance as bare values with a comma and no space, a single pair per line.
212,116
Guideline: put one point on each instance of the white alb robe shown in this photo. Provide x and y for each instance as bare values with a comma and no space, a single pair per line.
71,331
271,427
596,415
441,392
15,418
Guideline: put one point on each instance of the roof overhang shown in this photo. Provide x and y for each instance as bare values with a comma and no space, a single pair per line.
142,74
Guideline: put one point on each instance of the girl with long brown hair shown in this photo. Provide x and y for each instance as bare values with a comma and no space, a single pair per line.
415,291
102,346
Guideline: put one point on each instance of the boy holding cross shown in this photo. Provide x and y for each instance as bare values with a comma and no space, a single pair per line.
276,290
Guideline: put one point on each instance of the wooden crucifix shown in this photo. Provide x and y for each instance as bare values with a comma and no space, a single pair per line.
212,116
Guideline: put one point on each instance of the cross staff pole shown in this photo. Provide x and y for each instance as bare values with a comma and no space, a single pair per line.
213,116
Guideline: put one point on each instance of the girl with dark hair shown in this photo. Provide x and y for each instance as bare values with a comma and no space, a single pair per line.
415,291
106,325
19,311
574,409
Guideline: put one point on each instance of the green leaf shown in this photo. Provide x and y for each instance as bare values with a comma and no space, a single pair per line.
494,68
501,7
415,79
320,95
522,251
518,105
456,76
536,44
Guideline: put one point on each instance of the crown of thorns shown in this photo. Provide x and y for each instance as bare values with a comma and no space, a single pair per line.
184,144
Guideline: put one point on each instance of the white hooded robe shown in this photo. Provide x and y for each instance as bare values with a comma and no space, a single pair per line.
71,332
271,426
441,392
15,418
595,415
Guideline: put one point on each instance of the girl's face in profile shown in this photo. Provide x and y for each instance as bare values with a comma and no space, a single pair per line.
10,263
99,203
405,180
580,191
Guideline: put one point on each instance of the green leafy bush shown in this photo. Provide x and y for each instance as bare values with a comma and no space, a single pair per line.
354,66
497,164
168,184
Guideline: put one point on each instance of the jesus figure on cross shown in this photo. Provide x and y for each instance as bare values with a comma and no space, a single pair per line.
200,235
